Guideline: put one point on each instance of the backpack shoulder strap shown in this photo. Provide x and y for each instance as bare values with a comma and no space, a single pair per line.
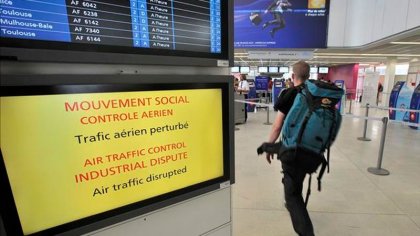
310,104
324,164
308,192
330,139
308,96
321,173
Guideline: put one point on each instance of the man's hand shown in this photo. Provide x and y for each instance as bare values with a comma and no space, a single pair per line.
269,157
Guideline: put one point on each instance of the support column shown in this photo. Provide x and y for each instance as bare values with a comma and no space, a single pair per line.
389,79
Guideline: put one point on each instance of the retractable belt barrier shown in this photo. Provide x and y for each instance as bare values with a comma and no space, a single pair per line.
405,123
259,104
362,117
351,101
350,107
394,109
378,170
364,138
253,103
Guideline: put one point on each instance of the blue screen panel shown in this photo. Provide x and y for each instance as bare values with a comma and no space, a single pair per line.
281,23
184,25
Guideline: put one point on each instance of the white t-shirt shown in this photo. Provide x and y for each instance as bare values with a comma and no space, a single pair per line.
243,86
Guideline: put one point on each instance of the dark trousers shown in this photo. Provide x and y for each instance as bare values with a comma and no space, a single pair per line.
246,107
295,167
278,20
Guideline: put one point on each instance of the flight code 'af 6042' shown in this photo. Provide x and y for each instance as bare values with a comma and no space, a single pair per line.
86,4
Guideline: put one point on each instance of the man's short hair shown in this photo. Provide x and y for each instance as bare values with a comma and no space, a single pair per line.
301,70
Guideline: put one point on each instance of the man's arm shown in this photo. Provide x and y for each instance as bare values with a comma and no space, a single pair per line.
285,4
275,132
269,8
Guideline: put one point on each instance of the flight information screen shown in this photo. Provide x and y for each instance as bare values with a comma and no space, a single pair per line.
281,23
186,25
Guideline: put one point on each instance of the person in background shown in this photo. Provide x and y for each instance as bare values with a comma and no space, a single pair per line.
289,83
270,88
270,84
293,170
243,88
235,83
380,90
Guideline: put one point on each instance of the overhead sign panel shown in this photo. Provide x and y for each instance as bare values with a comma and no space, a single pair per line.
281,23
287,55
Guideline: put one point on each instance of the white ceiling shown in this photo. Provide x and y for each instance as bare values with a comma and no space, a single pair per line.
374,53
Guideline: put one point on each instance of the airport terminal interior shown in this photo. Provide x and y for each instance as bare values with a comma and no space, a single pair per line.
143,117
352,201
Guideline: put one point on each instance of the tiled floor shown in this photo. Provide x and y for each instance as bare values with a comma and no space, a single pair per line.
352,202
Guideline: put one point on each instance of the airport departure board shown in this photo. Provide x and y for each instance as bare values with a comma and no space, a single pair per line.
186,25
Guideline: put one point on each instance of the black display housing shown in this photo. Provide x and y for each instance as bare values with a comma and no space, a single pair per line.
54,51
25,85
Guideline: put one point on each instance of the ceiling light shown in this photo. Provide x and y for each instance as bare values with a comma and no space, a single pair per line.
406,43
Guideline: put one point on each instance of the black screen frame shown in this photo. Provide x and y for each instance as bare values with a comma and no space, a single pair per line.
313,71
323,68
270,67
27,85
246,70
280,67
53,51
266,69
